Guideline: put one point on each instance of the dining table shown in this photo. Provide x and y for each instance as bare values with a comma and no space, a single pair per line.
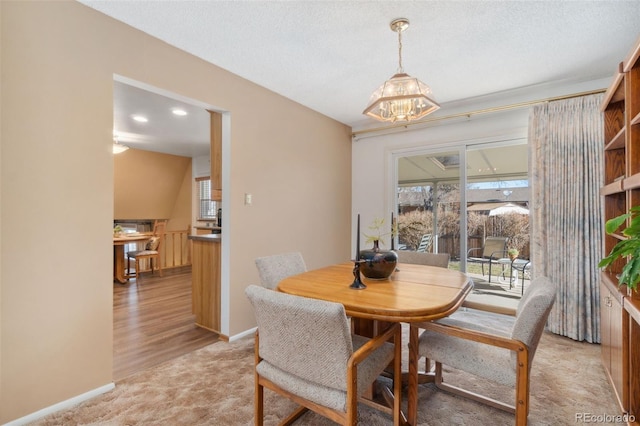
119,242
412,294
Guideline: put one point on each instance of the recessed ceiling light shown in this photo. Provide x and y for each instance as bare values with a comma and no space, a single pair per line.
140,118
178,111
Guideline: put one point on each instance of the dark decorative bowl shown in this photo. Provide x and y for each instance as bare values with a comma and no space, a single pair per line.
378,264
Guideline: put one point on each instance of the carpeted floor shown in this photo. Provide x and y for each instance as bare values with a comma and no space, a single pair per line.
214,386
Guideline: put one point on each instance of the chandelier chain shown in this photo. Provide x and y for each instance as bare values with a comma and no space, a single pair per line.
400,69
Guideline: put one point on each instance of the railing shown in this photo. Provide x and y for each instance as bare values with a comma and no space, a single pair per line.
175,251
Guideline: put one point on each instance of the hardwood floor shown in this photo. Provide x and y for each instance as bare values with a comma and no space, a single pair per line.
153,323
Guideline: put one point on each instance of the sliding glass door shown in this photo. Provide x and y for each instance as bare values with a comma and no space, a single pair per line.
494,203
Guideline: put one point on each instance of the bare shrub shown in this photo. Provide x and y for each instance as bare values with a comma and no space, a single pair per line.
475,223
512,225
412,226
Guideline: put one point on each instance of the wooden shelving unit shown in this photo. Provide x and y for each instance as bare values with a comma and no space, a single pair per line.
620,309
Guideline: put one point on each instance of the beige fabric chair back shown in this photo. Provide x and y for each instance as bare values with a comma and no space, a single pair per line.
532,313
273,269
295,333
432,259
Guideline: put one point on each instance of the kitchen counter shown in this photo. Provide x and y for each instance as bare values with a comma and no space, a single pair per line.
205,280
207,237
200,230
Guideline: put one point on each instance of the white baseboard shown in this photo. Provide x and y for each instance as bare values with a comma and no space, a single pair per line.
62,405
243,334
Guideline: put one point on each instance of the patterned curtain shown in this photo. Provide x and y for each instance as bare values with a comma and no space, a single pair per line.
566,142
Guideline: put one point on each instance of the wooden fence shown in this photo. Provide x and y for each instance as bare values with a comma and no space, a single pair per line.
451,244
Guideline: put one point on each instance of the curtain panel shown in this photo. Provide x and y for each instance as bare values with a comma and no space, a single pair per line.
566,143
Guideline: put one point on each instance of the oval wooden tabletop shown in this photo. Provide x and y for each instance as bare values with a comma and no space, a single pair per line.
413,293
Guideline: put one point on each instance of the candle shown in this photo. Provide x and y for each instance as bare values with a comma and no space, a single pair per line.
358,239
392,236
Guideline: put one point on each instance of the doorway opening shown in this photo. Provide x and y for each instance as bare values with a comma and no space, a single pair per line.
168,137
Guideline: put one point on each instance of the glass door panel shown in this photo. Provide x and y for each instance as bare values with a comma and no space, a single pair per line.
428,202
497,204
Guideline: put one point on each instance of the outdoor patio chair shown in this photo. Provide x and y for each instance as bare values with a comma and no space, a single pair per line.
425,243
493,249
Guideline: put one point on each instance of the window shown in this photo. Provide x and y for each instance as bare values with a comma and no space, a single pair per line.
208,207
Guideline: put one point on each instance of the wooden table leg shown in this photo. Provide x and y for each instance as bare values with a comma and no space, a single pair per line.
118,264
372,328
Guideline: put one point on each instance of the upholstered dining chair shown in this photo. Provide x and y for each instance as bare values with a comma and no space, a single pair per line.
305,351
275,268
151,250
418,258
479,350
440,260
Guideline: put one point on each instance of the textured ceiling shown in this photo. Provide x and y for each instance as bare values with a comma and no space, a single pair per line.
331,55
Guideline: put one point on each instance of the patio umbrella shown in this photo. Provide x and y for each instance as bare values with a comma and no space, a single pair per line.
508,208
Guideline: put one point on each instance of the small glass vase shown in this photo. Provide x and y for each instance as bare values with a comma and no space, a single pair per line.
378,264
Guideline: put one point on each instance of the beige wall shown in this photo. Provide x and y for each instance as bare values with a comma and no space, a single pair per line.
151,185
56,182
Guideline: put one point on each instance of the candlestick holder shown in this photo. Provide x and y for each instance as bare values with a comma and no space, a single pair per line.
357,283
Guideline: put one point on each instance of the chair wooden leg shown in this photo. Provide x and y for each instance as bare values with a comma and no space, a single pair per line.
258,403
137,267
439,382
397,379
299,412
522,390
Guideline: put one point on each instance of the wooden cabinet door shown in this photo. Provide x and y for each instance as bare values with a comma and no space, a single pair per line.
612,326
616,324
605,327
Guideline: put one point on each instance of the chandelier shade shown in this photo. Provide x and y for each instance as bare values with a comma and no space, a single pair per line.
402,97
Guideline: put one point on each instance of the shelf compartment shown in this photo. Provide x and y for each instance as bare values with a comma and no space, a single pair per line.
618,140
615,162
615,204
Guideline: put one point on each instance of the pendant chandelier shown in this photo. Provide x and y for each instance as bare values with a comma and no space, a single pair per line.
402,97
